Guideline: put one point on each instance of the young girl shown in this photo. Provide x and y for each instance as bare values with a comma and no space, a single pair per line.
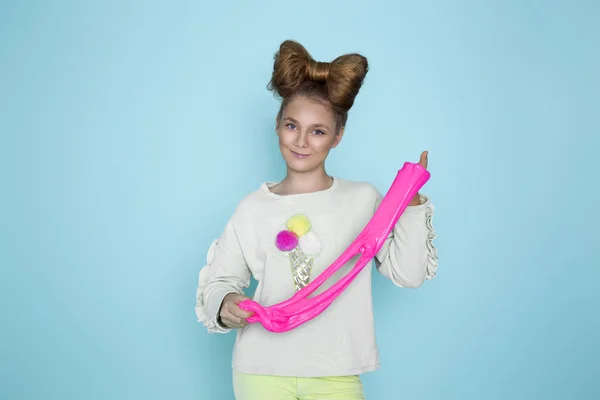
323,358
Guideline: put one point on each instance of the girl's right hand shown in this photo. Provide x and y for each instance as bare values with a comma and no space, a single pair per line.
231,314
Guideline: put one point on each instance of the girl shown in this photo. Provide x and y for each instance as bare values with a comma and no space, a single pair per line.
320,216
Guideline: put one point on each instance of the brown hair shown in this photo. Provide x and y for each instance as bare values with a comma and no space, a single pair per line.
296,73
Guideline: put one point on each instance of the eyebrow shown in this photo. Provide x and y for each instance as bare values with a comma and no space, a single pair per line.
314,126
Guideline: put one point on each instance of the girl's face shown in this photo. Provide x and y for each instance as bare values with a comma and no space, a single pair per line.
307,132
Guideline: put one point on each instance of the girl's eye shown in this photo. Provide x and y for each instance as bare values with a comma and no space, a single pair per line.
291,126
318,132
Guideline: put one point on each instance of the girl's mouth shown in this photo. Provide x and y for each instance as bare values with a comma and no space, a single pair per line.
298,155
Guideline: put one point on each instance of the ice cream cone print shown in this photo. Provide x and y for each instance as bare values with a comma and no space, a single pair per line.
299,243
301,267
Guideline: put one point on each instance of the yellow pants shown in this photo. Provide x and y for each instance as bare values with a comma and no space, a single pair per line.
264,387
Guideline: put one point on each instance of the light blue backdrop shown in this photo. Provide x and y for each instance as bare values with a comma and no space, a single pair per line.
130,131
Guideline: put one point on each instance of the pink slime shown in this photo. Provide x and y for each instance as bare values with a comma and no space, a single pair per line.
299,309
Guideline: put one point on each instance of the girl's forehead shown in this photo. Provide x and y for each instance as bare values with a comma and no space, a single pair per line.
308,111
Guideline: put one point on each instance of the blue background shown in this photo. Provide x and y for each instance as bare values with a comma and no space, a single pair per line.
130,131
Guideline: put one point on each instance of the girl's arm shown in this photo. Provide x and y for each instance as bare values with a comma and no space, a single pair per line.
408,256
225,272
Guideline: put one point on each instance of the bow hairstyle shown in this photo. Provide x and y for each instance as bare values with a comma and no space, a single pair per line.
294,69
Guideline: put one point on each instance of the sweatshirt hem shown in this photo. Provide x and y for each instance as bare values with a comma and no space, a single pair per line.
315,374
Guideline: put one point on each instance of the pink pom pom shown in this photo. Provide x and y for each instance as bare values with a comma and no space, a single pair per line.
286,240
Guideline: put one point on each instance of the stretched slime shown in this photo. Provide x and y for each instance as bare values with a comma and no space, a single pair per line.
299,308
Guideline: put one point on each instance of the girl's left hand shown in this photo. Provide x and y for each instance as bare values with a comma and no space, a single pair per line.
424,159
423,162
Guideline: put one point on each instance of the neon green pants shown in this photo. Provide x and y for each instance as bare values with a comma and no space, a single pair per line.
264,387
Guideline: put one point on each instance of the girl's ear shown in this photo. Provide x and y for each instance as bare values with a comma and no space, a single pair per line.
338,138
277,125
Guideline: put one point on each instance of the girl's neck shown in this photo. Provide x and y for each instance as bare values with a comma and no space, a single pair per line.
303,182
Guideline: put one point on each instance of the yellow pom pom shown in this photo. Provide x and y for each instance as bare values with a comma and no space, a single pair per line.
299,224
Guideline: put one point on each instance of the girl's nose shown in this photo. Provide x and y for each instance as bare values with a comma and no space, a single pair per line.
302,140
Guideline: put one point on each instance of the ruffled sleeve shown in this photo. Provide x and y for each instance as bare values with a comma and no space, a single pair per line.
432,257
210,323
225,272
408,257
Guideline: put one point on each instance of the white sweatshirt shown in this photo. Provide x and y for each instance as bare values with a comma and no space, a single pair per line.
341,340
